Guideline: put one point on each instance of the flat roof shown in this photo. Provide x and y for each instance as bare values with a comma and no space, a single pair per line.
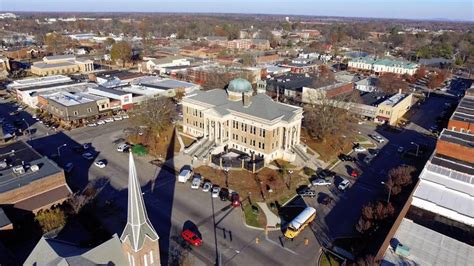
16,154
70,99
290,82
59,57
53,65
463,139
427,247
4,221
465,110
394,99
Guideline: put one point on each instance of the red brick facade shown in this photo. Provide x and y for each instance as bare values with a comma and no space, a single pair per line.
150,252
459,126
456,151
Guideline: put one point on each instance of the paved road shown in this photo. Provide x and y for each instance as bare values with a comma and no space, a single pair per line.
171,206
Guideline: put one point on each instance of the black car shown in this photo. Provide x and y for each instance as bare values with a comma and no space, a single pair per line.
307,193
346,158
326,174
224,194
78,149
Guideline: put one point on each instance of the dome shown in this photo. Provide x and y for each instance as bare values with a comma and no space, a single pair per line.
239,85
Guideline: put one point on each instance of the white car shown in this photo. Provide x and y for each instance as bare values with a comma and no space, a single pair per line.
378,138
207,187
344,184
100,163
196,182
109,120
320,182
117,118
123,147
360,149
101,122
215,191
92,125
125,116
88,156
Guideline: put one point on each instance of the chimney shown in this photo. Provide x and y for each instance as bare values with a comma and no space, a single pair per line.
246,99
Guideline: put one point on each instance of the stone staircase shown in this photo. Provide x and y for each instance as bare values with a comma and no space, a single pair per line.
301,153
200,149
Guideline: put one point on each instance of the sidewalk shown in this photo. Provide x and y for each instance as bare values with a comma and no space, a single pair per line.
272,219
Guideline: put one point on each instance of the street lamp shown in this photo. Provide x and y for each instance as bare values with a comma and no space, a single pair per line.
27,128
417,148
59,148
389,192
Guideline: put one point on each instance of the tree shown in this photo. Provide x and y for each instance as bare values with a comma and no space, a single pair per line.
155,114
248,59
391,83
109,42
420,73
56,42
121,51
398,178
50,219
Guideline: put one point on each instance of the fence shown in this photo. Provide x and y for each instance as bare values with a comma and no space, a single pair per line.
243,161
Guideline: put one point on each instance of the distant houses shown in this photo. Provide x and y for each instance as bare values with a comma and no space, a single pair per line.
381,66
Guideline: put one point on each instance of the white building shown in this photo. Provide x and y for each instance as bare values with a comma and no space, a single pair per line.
380,66
159,65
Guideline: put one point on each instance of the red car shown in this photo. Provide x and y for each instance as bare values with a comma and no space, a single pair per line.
235,199
191,238
354,173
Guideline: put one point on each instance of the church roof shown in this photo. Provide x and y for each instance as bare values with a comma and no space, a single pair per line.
138,225
55,252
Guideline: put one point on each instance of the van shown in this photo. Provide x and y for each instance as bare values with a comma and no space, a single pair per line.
184,176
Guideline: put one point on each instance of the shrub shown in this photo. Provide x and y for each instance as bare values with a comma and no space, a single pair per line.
139,150
50,219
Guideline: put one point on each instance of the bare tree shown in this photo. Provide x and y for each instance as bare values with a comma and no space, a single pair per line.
155,113
391,83
398,178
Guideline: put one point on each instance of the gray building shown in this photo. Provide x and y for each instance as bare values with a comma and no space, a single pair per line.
69,106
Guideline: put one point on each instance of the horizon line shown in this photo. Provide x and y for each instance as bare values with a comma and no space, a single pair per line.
239,13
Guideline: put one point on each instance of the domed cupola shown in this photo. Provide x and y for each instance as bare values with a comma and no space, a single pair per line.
238,89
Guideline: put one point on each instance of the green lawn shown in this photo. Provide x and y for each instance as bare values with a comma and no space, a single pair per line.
328,260
360,138
250,217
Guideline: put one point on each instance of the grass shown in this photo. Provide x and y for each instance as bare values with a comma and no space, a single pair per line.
360,138
328,150
328,260
157,146
252,219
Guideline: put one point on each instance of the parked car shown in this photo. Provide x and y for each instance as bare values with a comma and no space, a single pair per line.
92,125
359,149
190,237
100,163
354,173
377,138
123,147
88,156
207,187
184,175
346,158
215,191
235,199
224,194
101,122
325,173
68,167
109,120
320,182
343,185
196,182
117,118
125,116
307,193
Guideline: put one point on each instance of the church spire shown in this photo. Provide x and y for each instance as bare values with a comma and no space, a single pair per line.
138,226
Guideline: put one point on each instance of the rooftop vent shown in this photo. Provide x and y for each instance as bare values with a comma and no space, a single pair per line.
34,168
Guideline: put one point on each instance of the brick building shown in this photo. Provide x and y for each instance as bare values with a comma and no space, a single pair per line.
462,119
28,180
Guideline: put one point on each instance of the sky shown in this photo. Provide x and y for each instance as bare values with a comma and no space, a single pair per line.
411,9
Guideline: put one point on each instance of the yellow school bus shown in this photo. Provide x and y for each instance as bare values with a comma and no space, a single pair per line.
300,222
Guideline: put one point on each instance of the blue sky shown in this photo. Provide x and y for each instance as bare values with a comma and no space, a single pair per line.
414,9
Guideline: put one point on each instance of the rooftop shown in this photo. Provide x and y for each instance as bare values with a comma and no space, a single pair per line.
72,98
53,65
40,81
372,98
394,100
463,139
4,221
17,154
262,106
59,57
427,247
465,110
385,62
290,82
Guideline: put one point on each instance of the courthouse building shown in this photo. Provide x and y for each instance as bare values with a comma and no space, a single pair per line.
237,119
